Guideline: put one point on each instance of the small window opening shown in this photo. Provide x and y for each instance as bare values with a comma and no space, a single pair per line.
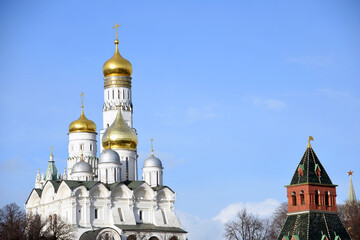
91,147
81,146
141,215
327,196
317,197
164,216
302,197
293,195
120,215
112,94
96,213
118,94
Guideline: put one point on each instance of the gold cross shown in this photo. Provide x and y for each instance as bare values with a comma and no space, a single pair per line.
152,147
116,26
51,151
82,99
350,173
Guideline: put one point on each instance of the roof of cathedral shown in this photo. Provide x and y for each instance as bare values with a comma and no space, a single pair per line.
309,164
51,169
318,224
72,184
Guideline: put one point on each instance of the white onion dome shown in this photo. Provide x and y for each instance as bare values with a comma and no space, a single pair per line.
81,167
109,156
152,161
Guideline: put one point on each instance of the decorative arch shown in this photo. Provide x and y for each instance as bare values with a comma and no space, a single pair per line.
33,200
99,190
64,191
121,191
144,191
174,238
81,192
108,234
154,238
48,193
131,237
165,194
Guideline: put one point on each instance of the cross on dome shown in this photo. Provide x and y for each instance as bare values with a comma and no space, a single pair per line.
116,26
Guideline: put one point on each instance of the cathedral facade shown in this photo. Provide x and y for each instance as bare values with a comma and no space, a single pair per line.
102,197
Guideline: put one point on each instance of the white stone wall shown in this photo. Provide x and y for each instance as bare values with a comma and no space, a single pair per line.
119,206
109,172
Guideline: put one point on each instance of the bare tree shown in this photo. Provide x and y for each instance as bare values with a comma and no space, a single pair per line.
34,227
12,222
247,226
350,216
278,221
57,229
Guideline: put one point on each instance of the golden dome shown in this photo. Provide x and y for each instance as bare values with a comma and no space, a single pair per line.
82,124
119,135
117,65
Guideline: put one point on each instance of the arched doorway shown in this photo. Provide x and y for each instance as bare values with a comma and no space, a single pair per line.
131,237
174,238
153,238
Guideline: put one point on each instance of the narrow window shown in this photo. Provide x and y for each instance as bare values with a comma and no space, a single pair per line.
120,215
114,174
127,168
96,213
302,197
327,196
141,215
317,197
123,94
112,94
108,95
81,146
91,147
118,94
157,178
293,195
164,216
107,125
106,175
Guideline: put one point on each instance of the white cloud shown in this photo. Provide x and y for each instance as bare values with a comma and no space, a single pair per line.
201,229
213,229
262,209
269,103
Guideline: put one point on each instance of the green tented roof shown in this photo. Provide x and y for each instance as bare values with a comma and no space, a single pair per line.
308,162
312,226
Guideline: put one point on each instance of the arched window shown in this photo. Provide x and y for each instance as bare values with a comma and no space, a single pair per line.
327,198
174,238
316,197
302,197
140,215
118,94
293,195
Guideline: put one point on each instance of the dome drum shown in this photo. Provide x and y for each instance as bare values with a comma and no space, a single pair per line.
117,81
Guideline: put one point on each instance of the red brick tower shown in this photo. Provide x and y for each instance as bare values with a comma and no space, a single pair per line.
312,211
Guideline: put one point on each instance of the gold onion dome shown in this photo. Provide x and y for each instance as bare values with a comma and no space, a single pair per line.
82,124
117,65
119,135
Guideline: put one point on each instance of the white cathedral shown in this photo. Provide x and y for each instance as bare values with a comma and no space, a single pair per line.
101,197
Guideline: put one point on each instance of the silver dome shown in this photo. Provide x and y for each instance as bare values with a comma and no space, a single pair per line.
81,167
152,162
109,156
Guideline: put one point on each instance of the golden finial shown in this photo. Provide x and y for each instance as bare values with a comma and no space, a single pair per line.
350,173
116,26
51,154
310,139
152,147
82,100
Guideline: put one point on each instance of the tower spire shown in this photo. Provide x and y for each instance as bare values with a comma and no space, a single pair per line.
351,195
152,146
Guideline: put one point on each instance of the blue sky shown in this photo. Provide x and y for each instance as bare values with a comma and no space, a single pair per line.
229,90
